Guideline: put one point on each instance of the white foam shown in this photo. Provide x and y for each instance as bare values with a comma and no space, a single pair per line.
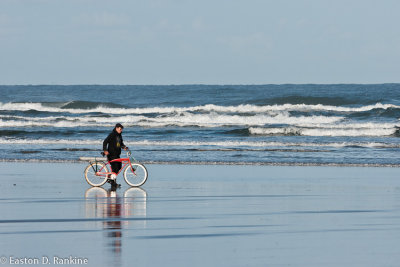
216,120
366,129
348,132
203,108
40,142
231,144
348,125
58,124
181,119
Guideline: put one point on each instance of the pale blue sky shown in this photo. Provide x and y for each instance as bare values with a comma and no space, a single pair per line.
202,41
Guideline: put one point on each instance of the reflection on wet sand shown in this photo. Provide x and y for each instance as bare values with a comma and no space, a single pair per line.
114,208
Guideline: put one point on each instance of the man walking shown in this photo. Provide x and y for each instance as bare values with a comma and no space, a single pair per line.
112,149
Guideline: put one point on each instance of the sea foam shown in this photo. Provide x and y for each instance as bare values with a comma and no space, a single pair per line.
243,108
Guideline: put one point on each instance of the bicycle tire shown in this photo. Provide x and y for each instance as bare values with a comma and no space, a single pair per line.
136,175
92,178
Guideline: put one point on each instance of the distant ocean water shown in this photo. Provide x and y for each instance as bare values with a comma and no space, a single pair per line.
341,124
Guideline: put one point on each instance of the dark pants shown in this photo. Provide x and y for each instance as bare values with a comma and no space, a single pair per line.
115,166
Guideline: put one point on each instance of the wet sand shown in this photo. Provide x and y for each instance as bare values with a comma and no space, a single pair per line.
200,215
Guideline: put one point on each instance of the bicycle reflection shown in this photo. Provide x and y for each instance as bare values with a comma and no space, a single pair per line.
108,204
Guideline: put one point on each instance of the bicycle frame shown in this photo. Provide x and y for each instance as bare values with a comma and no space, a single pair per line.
125,162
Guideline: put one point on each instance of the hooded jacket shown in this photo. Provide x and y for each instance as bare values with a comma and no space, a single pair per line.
113,144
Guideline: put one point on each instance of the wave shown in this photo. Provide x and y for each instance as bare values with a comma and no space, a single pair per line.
181,120
257,124
361,129
74,107
77,107
230,144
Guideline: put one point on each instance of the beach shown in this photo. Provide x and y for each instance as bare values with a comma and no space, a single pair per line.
201,215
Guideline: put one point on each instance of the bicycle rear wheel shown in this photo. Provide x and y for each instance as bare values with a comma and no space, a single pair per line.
95,174
135,175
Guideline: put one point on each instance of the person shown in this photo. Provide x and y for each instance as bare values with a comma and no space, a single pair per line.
112,146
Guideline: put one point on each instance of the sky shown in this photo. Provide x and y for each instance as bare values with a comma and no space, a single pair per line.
199,41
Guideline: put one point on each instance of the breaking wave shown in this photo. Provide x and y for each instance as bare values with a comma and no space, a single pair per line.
181,120
76,107
361,129
306,124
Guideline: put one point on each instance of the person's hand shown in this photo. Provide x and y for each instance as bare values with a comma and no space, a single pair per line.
106,153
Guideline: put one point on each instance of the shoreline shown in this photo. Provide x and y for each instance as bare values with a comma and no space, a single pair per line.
221,163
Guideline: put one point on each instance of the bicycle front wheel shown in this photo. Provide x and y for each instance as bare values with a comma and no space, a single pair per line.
135,175
96,174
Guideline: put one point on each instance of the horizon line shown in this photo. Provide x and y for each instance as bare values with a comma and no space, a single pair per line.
193,84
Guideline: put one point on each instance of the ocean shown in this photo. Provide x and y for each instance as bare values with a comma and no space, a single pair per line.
289,124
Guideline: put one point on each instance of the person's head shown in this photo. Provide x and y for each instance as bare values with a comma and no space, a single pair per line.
118,128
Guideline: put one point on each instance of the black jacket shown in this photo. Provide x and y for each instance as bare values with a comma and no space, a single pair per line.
113,144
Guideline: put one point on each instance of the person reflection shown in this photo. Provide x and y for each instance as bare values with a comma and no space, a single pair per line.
114,209
113,226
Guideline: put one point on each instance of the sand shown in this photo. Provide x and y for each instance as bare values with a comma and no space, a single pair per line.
199,215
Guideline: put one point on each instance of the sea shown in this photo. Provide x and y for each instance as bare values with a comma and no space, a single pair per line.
285,124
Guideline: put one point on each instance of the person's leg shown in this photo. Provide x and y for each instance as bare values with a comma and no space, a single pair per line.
119,166
116,166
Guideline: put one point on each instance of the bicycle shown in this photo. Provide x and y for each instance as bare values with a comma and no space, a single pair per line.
135,173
